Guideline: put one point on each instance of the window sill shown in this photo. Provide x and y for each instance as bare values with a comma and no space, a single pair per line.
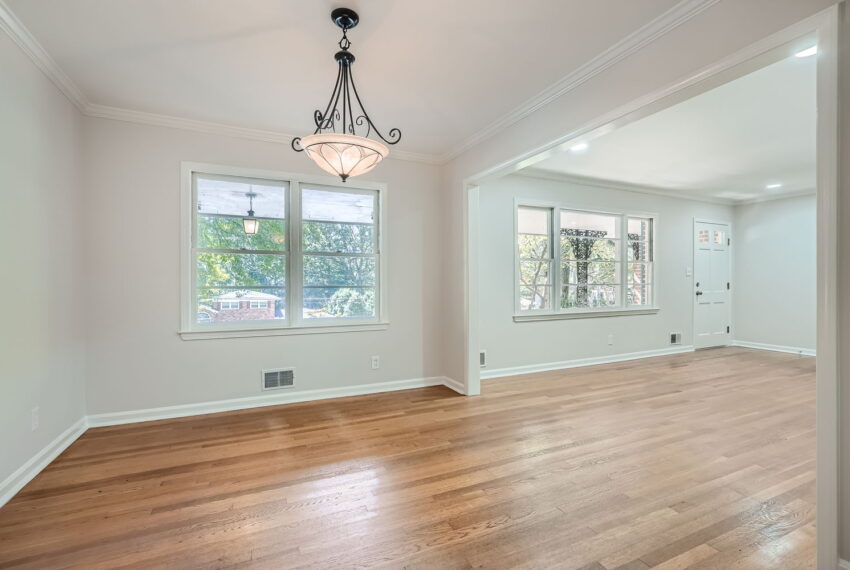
585,314
240,333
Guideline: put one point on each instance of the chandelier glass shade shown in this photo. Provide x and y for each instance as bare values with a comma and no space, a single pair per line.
341,143
344,155
251,225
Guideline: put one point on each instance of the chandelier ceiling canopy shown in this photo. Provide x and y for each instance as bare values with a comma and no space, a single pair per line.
340,144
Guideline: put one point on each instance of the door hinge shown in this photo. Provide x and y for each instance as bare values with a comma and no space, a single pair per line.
727,285
728,241
728,329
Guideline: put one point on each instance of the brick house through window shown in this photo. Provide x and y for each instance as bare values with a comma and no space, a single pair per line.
240,305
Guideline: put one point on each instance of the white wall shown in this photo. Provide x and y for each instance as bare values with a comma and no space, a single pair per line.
775,288
718,32
844,282
42,334
137,360
510,344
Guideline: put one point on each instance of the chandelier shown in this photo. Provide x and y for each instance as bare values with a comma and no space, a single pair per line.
341,144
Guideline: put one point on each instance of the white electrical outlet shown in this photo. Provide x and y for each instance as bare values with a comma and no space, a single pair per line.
610,340
35,418
376,362
689,272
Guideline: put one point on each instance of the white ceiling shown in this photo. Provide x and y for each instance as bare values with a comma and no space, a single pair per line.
728,143
440,70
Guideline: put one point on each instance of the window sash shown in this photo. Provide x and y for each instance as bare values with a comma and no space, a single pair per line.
548,288
293,285
622,260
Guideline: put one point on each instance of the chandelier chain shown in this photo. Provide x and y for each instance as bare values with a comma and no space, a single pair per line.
344,42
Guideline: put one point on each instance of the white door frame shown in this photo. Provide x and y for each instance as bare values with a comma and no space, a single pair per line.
825,25
694,275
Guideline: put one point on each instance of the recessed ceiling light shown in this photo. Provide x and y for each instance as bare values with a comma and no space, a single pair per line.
579,147
808,52
773,186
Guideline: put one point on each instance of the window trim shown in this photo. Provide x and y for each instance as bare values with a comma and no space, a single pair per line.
191,330
556,312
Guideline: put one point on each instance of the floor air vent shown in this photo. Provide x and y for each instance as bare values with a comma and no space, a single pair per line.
278,378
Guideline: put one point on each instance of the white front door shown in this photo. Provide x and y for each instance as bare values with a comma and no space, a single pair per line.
712,310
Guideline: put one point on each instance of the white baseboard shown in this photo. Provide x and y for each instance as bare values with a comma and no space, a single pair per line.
545,367
16,481
454,385
775,347
843,565
27,472
282,397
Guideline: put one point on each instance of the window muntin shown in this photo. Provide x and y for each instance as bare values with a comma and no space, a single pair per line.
605,261
534,246
258,281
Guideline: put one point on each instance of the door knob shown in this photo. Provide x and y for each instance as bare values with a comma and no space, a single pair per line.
699,293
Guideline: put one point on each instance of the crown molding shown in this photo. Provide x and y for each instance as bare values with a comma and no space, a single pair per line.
541,174
781,196
39,56
16,30
679,194
213,128
634,42
677,15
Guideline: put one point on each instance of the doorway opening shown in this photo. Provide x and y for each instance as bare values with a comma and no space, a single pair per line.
557,280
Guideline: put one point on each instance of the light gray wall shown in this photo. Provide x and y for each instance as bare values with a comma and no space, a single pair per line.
775,285
43,315
510,344
137,360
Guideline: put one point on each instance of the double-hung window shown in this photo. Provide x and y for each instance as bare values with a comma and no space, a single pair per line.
575,262
313,258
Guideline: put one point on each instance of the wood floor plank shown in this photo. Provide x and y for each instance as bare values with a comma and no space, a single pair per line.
703,460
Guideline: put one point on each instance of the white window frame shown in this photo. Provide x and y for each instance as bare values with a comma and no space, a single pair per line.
294,324
229,307
555,311
257,305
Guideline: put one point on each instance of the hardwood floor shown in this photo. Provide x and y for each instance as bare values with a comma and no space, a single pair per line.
703,460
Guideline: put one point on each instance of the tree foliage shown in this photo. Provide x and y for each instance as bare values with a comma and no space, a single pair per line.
334,285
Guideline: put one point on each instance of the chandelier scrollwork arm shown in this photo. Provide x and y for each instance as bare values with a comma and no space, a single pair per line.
345,102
